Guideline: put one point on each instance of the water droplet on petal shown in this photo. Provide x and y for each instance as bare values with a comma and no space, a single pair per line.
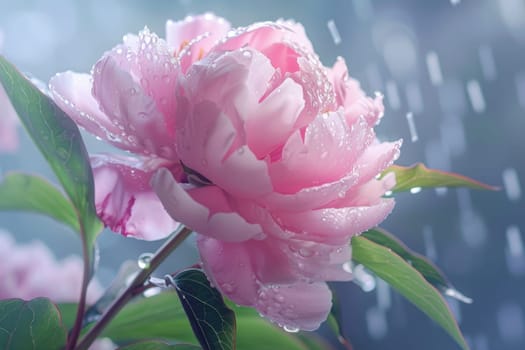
291,329
227,287
306,253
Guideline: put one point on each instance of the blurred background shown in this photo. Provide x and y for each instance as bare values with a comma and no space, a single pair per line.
453,76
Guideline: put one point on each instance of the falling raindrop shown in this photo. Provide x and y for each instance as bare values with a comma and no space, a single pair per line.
476,96
144,260
376,323
434,69
334,32
486,60
514,253
412,127
392,95
512,184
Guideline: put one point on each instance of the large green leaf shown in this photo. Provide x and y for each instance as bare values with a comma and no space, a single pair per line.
212,321
419,176
33,193
60,142
431,272
30,325
408,281
162,317
156,345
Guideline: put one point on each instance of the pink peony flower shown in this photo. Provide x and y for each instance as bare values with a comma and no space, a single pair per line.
8,120
281,164
129,101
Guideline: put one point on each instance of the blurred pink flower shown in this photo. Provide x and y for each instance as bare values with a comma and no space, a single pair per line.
129,101
281,161
8,120
30,271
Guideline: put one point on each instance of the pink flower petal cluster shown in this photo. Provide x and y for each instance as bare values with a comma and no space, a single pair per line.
8,120
30,271
249,140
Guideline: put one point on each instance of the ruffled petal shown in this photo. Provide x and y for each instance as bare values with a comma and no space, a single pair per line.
263,274
205,139
124,199
205,209
142,126
327,153
72,93
335,225
194,36
282,106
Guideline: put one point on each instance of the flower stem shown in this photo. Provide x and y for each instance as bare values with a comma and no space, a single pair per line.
135,287
86,274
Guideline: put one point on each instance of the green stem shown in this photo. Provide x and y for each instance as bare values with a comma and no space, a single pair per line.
75,331
135,288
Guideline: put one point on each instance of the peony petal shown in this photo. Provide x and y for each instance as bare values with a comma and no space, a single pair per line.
309,198
142,126
297,306
327,153
205,209
335,225
205,137
8,124
376,158
72,92
282,106
252,273
124,199
179,33
229,267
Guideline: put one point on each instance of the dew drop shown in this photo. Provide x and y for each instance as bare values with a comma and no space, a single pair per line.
144,260
278,298
291,329
305,253
227,287
347,266
415,190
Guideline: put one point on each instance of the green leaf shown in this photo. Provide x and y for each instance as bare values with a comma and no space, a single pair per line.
30,325
431,272
155,345
32,193
418,175
162,316
408,281
60,142
212,321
